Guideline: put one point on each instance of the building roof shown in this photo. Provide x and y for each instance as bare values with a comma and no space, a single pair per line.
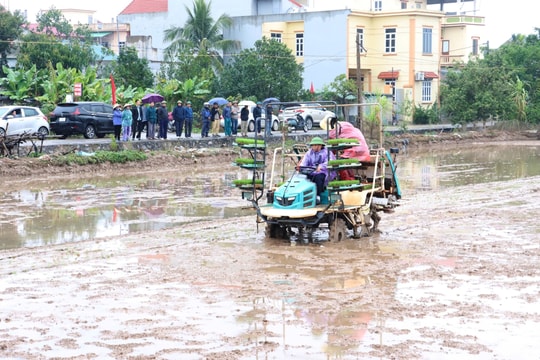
388,75
430,75
146,6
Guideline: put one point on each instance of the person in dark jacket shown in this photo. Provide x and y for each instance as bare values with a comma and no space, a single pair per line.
227,122
268,120
205,118
179,116
163,120
244,117
215,118
188,112
151,117
257,115
139,119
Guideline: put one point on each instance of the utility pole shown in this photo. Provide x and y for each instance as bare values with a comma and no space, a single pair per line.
359,85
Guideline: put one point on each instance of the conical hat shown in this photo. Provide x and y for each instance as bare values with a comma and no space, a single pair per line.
325,123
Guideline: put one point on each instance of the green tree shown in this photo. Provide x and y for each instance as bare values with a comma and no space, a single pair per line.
10,30
52,22
520,59
267,70
187,65
475,93
342,91
130,70
201,35
41,49
56,43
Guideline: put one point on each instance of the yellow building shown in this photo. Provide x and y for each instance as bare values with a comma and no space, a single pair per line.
405,46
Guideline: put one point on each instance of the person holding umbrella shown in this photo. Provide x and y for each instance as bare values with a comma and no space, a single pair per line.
151,117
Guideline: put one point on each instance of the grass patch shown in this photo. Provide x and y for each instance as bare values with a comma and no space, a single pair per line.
100,157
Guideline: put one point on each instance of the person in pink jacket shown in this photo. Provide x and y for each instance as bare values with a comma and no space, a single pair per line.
346,130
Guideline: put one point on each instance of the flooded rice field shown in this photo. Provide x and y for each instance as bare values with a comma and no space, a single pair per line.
69,210
172,265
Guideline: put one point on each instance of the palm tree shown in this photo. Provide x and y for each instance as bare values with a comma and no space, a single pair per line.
201,34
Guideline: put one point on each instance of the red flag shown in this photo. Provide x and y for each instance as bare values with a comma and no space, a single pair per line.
113,90
312,88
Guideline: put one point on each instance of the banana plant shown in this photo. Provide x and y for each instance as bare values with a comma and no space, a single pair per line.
21,84
56,85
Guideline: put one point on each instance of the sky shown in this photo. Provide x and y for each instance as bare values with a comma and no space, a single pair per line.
503,18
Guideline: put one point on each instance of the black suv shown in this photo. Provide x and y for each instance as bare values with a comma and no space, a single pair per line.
92,119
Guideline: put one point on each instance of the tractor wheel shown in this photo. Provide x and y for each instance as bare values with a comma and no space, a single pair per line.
337,230
274,231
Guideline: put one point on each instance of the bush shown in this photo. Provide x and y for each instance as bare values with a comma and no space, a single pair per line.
426,115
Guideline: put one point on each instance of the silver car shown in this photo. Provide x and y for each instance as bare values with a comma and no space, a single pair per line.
313,113
17,120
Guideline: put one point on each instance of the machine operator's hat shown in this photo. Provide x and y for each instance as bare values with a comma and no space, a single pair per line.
328,122
316,141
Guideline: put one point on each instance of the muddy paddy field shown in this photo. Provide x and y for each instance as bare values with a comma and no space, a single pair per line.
166,262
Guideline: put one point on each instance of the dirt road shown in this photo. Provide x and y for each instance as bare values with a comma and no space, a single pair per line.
453,275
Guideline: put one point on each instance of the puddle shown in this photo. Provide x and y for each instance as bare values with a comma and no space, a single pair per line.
75,210
476,165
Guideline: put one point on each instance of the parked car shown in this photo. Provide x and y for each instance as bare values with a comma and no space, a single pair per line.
91,119
251,121
16,120
313,113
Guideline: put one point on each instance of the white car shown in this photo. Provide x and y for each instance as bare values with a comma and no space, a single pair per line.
313,113
17,120
251,121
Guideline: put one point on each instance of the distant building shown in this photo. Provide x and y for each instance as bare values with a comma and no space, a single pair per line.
407,45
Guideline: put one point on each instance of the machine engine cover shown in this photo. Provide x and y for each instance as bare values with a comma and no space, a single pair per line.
297,193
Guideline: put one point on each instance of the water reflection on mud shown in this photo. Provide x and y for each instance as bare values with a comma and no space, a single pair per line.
475,165
68,211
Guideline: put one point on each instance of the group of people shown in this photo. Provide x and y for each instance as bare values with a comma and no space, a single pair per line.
130,121
230,114
183,119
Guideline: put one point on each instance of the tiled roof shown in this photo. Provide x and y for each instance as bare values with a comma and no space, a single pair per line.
388,75
430,75
146,6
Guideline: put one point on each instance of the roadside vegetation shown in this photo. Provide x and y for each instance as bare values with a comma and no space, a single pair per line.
99,157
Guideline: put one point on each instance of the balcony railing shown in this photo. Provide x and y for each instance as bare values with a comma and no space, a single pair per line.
464,19
448,60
